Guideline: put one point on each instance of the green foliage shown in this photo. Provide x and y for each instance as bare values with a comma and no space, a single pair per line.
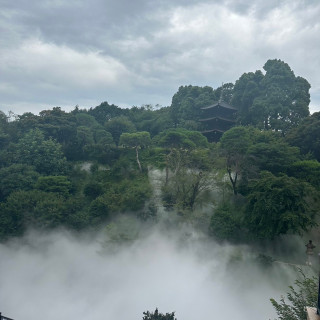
45,155
158,316
186,104
16,177
126,195
302,295
278,205
116,139
99,208
84,138
277,100
234,144
236,141
275,157
225,223
37,208
307,135
185,188
136,139
181,138
307,170
246,90
117,126
152,120
93,190
86,120
176,139
57,184
105,112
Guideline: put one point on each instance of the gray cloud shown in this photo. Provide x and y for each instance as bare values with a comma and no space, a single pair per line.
131,53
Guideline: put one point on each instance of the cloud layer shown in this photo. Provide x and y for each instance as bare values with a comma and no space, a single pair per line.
63,53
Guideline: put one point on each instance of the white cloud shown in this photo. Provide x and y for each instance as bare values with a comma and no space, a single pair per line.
59,66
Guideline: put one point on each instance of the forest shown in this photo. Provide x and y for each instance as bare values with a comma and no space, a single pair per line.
81,169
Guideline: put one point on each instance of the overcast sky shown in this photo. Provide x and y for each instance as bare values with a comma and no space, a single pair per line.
134,52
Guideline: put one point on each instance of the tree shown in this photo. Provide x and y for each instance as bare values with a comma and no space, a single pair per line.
84,139
105,112
34,207
307,135
16,177
186,178
277,100
186,103
137,141
246,89
224,223
234,144
45,155
307,170
275,156
56,184
278,205
118,125
303,295
4,137
158,316
185,188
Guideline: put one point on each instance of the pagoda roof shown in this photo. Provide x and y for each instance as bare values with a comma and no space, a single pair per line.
220,104
213,130
218,118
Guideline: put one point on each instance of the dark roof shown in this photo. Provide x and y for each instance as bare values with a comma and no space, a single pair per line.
214,130
218,118
220,104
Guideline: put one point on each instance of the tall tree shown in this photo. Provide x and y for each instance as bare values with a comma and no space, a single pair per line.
307,135
278,205
105,112
186,103
118,125
45,155
277,100
136,140
234,144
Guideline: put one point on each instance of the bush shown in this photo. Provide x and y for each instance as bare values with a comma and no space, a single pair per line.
224,224
305,294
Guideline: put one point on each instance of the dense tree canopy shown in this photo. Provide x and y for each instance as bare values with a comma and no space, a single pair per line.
307,135
45,155
82,168
278,205
277,100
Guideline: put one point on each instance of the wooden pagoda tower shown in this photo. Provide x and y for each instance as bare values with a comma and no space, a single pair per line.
216,119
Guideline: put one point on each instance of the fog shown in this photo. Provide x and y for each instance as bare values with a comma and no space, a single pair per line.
61,276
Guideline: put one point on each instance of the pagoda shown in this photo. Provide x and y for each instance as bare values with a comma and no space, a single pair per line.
217,118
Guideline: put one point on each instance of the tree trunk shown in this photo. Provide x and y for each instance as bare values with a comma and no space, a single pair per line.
138,161
233,181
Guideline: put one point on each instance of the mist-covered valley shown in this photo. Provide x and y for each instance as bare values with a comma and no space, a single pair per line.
202,208
49,275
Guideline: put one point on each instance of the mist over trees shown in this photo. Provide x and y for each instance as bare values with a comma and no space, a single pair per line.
80,169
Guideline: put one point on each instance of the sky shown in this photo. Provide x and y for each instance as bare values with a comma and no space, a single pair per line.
130,53
59,275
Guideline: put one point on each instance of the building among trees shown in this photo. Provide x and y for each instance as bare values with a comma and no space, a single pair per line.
217,118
